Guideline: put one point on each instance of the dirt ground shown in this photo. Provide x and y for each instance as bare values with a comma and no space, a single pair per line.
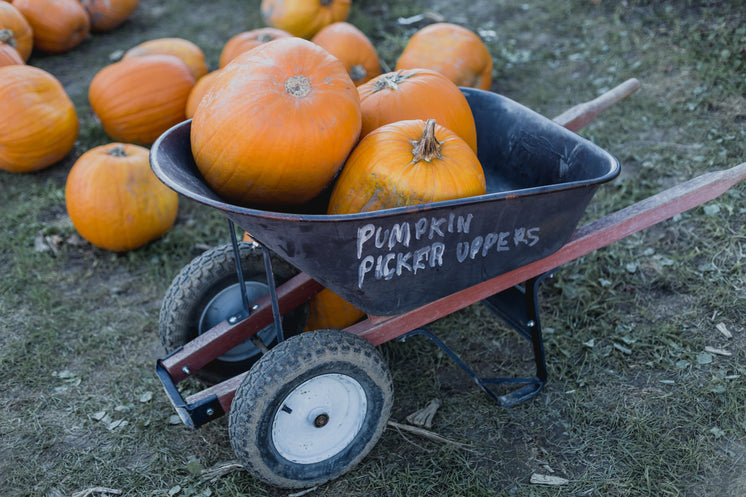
633,395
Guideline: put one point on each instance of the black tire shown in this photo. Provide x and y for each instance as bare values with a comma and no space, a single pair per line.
298,419
206,291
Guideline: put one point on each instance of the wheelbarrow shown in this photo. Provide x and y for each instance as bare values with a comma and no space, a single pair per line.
306,406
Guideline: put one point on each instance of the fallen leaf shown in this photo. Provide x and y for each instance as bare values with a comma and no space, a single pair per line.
704,358
539,479
622,349
146,397
713,350
724,330
712,209
97,490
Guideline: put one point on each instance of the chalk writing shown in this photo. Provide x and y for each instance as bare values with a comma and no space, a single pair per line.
411,247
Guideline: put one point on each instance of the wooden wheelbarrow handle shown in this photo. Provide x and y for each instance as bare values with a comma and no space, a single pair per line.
579,116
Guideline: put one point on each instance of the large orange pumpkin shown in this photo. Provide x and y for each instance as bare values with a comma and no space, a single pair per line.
402,163
138,98
15,30
303,18
350,45
106,15
245,41
277,124
9,55
454,51
416,94
406,163
115,201
58,25
185,50
38,123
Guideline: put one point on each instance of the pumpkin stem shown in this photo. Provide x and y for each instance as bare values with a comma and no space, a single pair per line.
6,36
298,86
265,37
426,148
326,3
117,151
390,81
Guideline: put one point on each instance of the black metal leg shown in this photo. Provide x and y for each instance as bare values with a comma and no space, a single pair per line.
239,270
518,307
270,282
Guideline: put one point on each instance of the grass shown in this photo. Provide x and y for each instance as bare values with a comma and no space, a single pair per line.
636,403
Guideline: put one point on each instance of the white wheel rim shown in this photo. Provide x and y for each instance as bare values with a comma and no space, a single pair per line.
319,418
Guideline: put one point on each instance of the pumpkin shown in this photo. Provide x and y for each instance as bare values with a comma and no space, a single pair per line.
454,51
303,18
245,41
185,50
58,25
114,199
406,163
352,47
327,310
106,15
198,92
403,163
416,94
15,30
9,55
277,124
138,98
38,123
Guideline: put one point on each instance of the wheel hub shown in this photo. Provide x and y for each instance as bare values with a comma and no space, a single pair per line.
319,418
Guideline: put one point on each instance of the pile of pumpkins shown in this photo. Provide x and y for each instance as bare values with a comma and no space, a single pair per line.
294,108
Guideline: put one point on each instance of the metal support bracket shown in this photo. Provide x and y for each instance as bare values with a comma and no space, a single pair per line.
192,415
518,308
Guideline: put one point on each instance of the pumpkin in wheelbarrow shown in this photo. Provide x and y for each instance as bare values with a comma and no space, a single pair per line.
277,124
403,163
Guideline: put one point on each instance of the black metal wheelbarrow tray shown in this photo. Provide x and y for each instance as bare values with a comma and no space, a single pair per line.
306,406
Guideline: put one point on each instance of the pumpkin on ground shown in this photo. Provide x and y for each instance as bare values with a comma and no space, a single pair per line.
58,25
185,50
15,30
138,98
416,94
350,45
303,18
277,124
198,92
327,310
454,51
38,123
114,199
245,41
9,55
106,15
